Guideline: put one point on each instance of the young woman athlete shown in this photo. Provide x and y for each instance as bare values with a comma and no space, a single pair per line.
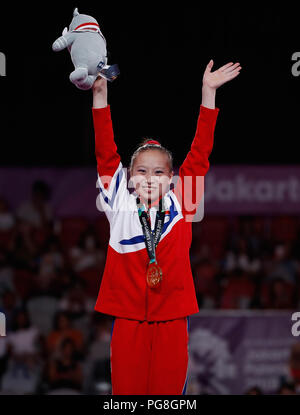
147,284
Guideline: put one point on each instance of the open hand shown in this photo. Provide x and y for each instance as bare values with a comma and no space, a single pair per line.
222,75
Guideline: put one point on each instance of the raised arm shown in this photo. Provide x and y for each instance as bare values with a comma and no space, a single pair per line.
107,157
190,186
112,178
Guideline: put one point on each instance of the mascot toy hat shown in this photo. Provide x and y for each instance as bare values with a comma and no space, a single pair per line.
87,47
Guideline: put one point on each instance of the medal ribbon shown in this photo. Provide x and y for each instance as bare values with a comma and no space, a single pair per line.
152,239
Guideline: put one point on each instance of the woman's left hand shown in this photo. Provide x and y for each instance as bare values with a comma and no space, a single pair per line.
222,75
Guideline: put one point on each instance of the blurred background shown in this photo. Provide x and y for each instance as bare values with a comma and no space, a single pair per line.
245,253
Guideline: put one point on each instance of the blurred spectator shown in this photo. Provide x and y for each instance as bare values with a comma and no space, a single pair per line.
6,273
100,337
78,306
62,329
238,290
51,258
43,282
251,231
97,362
10,303
41,310
255,390
206,285
287,388
24,363
36,211
283,266
199,251
64,368
24,247
75,302
295,248
64,280
241,257
7,217
3,356
278,294
87,253
3,350
23,340
48,262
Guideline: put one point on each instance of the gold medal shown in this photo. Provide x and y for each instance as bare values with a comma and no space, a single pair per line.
154,275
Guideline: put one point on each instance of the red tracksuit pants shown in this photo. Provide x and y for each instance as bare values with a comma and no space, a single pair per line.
149,358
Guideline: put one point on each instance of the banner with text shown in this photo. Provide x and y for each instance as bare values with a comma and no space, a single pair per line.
231,351
231,190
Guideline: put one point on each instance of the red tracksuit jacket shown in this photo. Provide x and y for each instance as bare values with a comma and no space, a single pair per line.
124,291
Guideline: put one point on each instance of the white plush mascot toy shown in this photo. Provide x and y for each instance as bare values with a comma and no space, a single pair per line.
87,47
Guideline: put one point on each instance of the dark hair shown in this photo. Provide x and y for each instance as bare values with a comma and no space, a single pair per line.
145,146
290,385
42,188
15,324
254,390
57,316
90,231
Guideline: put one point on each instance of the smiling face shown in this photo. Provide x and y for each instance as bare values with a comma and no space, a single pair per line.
151,175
